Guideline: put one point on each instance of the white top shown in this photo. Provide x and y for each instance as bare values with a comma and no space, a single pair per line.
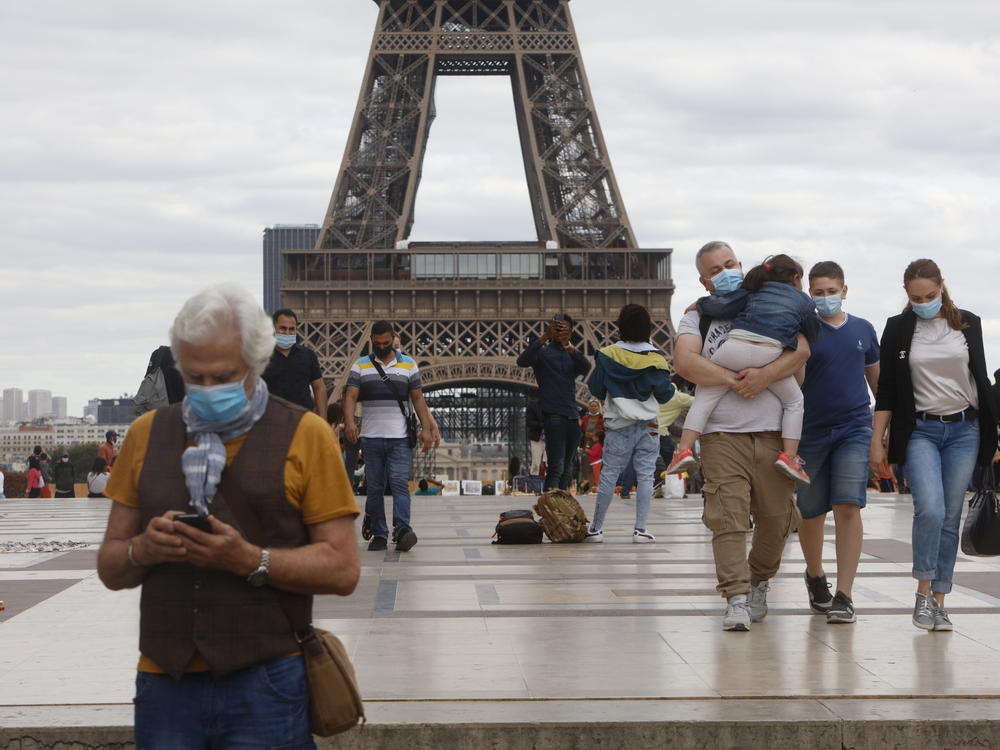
97,482
939,367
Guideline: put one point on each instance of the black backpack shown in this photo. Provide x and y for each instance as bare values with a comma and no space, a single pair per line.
518,527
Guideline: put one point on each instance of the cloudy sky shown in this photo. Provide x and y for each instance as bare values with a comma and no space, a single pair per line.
144,147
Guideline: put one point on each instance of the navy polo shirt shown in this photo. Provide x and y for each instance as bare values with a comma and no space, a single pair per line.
289,376
835,389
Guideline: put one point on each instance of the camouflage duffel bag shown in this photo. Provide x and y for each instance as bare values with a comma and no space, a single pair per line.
563,520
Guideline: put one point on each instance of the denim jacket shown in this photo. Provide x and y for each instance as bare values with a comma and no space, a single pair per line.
778,310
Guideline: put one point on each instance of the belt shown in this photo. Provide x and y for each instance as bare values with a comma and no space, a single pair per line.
961,416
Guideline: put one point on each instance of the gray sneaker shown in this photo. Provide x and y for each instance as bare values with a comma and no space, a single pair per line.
923,612
758,599
737,615
941,619
841,609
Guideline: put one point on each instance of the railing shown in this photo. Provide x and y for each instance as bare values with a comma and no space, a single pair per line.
474,41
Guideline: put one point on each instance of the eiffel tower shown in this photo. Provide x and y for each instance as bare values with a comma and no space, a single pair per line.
466,309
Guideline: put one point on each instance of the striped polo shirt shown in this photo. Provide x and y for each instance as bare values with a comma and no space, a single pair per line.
382,417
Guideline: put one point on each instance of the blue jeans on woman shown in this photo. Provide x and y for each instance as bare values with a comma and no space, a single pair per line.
940,458
562,438
392,455
639,444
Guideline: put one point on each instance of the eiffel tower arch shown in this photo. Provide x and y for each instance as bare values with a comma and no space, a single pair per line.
466,309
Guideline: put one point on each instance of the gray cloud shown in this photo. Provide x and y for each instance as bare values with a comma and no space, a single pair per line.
144,148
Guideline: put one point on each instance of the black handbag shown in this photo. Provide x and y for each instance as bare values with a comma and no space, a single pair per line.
981,532
408,416
518,527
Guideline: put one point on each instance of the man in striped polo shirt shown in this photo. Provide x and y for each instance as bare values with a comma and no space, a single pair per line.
384,443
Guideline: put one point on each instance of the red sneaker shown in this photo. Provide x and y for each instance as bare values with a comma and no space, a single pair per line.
682,461
792,467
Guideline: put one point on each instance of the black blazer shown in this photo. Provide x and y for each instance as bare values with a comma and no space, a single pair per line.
895,386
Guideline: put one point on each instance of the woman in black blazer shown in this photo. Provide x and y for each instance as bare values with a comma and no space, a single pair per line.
935,398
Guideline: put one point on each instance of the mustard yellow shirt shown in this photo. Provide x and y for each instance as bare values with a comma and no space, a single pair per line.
315,481
673,409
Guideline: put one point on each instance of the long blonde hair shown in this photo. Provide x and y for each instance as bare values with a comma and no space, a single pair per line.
925,268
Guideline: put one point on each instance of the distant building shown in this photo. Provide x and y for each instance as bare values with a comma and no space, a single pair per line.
277,238
90,410
39,404
13,405
59,407
17,442
115,411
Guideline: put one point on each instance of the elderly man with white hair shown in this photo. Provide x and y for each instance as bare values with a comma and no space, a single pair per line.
231,510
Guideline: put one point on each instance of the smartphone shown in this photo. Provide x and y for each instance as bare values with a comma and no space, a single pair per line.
193,519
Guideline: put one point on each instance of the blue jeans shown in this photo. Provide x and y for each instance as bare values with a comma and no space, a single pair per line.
939,463
639,443
562,438
395,456
837,462
266,706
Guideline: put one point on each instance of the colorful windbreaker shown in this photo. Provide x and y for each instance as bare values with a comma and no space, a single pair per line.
633,380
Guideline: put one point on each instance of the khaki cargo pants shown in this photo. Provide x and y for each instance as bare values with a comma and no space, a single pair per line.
741,481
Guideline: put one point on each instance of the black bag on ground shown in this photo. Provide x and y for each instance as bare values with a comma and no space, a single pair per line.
518,527
981,532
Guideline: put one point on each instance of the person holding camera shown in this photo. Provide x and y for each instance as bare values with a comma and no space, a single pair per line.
558,366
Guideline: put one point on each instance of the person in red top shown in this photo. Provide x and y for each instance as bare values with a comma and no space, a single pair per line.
592,422
35,481
595,455
107,451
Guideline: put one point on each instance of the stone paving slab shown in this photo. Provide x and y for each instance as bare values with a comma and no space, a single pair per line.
459,633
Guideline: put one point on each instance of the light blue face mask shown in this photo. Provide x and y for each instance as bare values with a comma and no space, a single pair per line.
285,340
927,310
727,280
828,306
217,403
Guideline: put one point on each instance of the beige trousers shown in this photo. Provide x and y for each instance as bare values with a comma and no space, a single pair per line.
741,481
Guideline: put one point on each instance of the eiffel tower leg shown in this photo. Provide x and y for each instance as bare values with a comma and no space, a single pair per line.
574,193
373,200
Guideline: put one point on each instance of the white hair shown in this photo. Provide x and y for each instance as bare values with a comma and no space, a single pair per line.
222,306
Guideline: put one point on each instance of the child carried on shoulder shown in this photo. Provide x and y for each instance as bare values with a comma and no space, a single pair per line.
768,312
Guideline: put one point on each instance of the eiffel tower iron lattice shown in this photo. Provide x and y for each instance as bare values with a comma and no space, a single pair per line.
467,309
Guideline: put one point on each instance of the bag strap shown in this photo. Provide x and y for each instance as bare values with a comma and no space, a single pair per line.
295,606
704,323
395,391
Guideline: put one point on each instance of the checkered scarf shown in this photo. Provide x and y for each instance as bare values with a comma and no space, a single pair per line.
204,461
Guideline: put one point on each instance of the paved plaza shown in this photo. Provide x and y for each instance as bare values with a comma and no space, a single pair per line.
462,633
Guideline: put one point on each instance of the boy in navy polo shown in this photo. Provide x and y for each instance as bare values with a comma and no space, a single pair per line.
836,438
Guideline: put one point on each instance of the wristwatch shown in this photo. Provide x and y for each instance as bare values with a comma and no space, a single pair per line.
259,577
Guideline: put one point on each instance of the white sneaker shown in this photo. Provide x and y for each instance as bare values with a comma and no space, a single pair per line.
758,600
642,537
594,537
737,615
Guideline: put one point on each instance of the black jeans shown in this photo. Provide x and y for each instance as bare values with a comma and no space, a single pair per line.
351,460
562,438
667,448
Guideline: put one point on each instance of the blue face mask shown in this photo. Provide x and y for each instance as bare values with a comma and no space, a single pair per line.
828,306
217,403
927,310
728,280
285,340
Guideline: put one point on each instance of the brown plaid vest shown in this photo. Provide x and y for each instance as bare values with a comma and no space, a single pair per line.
186,608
